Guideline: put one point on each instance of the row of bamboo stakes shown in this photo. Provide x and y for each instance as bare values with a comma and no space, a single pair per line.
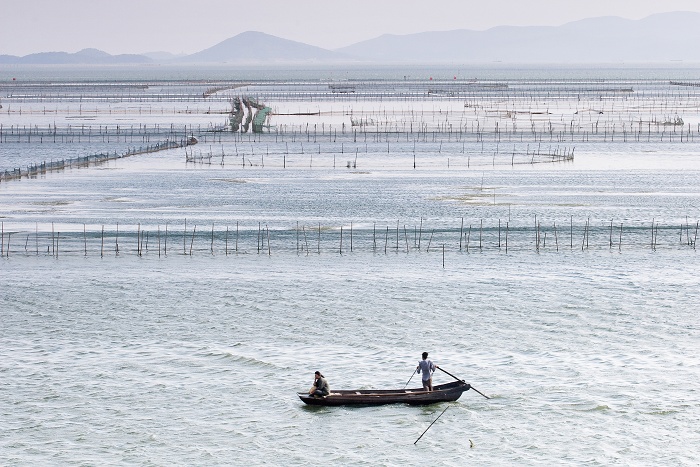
304,235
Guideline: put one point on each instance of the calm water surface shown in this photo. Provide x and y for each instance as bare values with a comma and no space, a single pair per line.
589,353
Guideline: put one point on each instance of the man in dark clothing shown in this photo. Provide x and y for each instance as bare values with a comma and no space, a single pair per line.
320,387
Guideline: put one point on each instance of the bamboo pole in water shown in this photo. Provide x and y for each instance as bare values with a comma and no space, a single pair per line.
386,239
420,232
350,237
405,236
374,237
506,237
306,242
192,240
138,240
619,244
397,236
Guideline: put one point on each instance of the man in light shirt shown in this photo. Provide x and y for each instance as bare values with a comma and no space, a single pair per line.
427,368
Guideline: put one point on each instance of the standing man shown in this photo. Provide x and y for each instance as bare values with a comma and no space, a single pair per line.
427,368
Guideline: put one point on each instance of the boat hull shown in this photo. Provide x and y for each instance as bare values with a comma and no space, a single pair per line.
441,393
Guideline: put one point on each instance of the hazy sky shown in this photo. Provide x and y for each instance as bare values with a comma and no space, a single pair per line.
137,26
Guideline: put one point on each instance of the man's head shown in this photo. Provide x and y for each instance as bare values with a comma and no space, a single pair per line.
425,355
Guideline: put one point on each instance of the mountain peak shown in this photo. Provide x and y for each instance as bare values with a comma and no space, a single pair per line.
255,46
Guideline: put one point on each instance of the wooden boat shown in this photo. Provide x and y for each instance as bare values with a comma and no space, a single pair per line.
441,393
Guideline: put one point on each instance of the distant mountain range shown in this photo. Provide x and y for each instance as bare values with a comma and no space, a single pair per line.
85,56
658,38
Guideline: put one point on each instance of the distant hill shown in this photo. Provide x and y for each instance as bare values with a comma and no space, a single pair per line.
658,38
258,47
84,57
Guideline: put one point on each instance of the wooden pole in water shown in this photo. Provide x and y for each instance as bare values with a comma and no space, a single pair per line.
116,241
611,227
656,236
374,237
84,240
499,234
269,251
430,241
350,237
426,430
443,256
319,239
469,234
386,239
184,239
159,240
461,234
571,232
297,232
138,240
420,232
306,242
397,236
588,230
102,245
192,240
405,236
165,245
226,242
619,244
481,230
259,226
211,248
341,239
53,240
506,237
556,238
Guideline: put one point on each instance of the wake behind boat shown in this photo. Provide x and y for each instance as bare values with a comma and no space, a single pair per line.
441,393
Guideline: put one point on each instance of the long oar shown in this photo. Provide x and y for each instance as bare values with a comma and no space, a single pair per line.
462,381
426,430
409,379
